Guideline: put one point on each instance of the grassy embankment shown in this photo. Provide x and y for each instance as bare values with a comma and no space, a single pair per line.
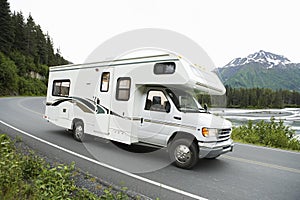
270,134
28,176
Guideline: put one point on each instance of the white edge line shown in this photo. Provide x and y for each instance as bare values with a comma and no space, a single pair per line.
108,166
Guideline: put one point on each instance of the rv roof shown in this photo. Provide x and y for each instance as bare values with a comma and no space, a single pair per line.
119,61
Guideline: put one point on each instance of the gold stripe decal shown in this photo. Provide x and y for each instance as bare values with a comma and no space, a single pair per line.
159,122
170,124
83,107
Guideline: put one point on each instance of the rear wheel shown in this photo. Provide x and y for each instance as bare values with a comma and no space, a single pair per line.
183,153
78,131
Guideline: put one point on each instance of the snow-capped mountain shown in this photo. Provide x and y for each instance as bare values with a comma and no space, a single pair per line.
261,69
266,58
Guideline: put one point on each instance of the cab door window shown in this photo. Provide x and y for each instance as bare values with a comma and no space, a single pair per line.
157,101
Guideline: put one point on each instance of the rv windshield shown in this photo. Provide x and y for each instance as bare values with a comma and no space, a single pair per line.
184,101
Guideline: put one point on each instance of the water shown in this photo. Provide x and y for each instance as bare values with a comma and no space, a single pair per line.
290,116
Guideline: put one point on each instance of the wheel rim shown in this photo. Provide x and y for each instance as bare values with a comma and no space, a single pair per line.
78,131
182,153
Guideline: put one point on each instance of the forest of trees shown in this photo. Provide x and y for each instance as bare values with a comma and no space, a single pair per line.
25,54
254,98
261,98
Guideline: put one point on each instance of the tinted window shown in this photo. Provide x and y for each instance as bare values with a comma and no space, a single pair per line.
61,88
123,89
104,82
164,68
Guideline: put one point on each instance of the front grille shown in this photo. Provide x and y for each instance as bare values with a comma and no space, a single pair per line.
224,134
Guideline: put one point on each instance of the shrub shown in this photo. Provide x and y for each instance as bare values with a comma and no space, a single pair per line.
30,86
8,76
272,134
11,172
29,177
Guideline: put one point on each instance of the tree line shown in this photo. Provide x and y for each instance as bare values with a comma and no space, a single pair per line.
26,52
253,98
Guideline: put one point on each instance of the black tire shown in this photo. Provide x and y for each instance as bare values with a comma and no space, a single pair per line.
184,153
78,131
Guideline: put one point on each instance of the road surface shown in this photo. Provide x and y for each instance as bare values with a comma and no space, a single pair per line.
249,172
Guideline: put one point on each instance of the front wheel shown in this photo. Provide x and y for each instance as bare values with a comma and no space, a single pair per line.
78,131
183,153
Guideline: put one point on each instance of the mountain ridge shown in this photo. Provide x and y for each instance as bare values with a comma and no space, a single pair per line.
262,57
261,70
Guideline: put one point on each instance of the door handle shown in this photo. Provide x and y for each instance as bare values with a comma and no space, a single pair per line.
176,117
142,120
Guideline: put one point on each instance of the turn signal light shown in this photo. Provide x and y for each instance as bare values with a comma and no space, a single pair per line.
205,132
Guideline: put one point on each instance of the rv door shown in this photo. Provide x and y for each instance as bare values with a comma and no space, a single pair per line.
103,102
155,118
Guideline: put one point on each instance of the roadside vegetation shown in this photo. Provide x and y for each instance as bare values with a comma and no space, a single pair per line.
27,176
271,134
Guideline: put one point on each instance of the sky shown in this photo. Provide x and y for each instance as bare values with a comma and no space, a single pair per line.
225,29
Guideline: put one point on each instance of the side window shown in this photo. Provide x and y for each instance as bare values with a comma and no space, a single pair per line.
104,82
61,88
157,101
100,110
123,89
164,68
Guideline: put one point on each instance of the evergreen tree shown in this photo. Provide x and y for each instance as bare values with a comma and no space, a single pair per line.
278,101
31,37
295,98
24,50
6,33
42,57
50,51
19,32
261,98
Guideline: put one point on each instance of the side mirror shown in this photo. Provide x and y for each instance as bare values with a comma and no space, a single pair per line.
205,107
168,107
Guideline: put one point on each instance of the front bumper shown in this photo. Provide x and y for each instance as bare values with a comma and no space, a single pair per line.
214,149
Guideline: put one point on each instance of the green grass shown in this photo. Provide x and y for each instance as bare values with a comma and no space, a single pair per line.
28,176
270,134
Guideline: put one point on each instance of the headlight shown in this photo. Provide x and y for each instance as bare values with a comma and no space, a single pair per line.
209,132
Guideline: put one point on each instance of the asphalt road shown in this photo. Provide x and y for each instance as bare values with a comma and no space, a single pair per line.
249,172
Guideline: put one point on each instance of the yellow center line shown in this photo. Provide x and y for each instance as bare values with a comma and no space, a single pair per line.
288,169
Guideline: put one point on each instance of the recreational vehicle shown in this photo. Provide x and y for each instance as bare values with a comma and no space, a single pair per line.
141,100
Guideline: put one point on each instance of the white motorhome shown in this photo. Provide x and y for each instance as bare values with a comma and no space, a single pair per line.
141,100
